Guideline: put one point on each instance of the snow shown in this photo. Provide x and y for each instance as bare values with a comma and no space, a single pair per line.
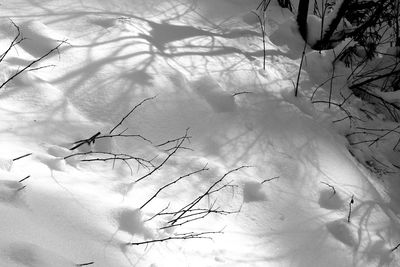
200,62
6,164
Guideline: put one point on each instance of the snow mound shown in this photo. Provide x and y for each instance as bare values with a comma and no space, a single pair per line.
39,38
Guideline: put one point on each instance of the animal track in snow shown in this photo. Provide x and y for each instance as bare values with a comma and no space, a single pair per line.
219,99
130,221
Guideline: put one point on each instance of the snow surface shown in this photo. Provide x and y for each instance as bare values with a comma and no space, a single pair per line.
202,61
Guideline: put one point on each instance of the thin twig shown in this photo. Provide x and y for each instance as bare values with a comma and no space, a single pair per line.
331,186
175,149
176,237
23,179
242,93
158,213
209,191
301,65
270,179
396,247
130,112
350,204
23,156
85,264
173,182
380,137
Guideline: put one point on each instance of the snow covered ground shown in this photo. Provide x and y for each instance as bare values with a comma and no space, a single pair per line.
202,63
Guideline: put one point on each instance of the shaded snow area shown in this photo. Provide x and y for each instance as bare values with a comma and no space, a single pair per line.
218,164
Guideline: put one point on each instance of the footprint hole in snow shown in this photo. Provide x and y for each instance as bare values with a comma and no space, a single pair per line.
330,200
131,222
252,192
343,231
219,99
